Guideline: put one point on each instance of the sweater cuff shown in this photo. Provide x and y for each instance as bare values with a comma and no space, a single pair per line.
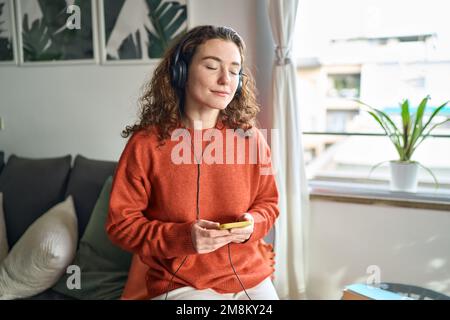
180,239
176,241
259,227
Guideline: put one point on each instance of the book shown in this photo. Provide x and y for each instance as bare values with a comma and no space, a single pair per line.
360,291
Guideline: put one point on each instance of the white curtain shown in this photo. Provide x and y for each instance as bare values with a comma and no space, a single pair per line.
291,230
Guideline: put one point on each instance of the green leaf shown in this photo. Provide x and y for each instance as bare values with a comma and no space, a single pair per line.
1,11
169,15
426,135
385,117
175,25
436,183
154,4
435,112
156,46
113,9
6,50
129,49
391,137
36,41
435,126
167,18
159,11
418,126
78,44
376,166
406,122
388,126
156,22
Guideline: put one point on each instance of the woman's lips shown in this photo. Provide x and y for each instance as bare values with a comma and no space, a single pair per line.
220,93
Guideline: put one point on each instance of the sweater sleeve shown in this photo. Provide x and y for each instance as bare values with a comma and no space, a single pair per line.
264,208
127,226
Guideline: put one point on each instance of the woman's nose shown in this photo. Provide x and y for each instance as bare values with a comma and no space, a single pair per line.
224,76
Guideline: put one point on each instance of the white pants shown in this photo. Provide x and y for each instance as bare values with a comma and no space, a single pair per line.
263,291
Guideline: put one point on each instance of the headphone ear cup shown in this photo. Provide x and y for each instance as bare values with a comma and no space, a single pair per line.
239,86
178,74
178,69
182,77
173,76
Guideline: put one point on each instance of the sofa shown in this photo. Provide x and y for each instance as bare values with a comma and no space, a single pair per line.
54,212
32,187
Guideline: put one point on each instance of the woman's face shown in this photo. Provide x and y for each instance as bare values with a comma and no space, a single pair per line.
213,74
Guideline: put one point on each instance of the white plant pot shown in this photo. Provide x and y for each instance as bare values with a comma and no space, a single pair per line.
403,176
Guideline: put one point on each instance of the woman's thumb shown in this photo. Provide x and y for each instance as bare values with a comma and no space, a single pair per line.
208,224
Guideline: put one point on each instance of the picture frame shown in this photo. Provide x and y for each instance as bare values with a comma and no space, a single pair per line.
137,41
8,39
57,32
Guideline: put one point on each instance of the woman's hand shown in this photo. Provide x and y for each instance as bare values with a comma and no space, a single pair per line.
243,233
207,237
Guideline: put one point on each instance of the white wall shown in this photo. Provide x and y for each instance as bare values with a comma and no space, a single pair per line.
409,246
58,110
53,111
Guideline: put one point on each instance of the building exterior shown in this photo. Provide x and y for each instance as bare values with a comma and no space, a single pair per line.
381,71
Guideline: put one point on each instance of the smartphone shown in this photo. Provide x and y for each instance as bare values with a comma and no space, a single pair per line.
240,224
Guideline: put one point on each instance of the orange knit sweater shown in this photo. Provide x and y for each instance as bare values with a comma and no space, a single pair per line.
153,205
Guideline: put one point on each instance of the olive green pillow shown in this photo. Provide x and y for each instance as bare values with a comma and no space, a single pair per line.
104,266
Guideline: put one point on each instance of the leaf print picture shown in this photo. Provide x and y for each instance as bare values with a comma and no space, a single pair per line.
7,33
140,30
56,31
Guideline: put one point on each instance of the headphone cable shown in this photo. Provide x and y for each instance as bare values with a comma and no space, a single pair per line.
173,276
198,216
234,270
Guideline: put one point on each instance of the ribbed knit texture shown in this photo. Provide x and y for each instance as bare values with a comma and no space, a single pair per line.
153,207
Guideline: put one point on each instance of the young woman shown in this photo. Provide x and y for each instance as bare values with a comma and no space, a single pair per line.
182,174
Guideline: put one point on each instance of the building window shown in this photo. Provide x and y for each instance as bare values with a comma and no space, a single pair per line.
343,85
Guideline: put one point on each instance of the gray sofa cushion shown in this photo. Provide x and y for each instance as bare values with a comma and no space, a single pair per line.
85,183
30,188
49,295
2,161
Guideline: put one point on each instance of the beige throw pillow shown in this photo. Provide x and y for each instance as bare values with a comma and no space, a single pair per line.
42,254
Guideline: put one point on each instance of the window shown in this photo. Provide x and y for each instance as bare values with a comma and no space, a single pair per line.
379,52
343,85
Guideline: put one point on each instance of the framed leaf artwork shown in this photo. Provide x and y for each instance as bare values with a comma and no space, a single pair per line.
63,31
8,54
139,31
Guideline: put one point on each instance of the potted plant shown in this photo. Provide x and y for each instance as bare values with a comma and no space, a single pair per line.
406,139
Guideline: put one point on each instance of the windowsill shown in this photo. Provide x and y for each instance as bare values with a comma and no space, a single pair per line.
379,194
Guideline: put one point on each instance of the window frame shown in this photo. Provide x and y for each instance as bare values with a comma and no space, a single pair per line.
325,187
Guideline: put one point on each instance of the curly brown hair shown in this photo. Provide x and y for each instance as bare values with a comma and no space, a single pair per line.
161,104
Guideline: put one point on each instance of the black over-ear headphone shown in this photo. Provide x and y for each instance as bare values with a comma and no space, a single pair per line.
179,70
